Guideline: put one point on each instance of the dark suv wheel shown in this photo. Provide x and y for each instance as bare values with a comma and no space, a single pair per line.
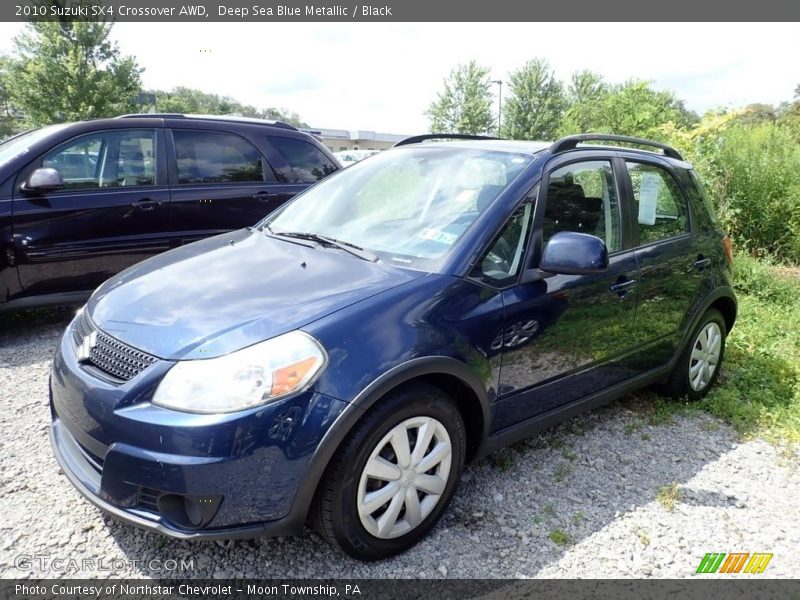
698,366
394,476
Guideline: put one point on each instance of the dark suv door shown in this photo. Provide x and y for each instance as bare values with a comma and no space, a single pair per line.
220,182
567,336
112,212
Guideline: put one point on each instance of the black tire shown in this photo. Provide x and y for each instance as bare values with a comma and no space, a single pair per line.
678,384
335,513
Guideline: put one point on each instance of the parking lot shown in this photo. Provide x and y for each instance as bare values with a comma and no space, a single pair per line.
614,493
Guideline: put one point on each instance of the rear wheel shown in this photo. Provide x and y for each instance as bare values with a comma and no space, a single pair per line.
394,475
699,364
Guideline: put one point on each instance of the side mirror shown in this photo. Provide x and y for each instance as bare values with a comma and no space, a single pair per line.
572,253
43,180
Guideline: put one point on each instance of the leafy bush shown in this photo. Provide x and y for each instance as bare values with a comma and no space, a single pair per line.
760,279
760,382
754,175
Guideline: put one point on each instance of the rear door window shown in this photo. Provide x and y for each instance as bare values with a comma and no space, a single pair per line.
659,203
215,157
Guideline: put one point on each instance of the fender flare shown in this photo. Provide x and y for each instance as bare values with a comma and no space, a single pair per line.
368,397
719,292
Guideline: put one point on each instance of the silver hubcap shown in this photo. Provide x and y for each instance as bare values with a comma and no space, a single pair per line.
705,357
404,478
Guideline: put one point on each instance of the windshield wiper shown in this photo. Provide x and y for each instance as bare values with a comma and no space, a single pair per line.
356,251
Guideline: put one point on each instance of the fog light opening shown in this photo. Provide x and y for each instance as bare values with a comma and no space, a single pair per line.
191,512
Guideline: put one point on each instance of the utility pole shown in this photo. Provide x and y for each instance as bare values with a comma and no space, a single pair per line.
499,103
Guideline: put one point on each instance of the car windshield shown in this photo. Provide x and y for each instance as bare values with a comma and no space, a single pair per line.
18,145
408,207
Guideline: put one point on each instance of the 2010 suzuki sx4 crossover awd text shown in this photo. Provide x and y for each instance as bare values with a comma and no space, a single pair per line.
339,362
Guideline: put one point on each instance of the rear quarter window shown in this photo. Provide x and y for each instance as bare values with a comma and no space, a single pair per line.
702,205
307,164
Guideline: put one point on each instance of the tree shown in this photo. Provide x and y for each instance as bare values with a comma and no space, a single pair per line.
536,103
758,113
465,104
585,96
789,114
68,71
281,114
8,121
192,101
631,108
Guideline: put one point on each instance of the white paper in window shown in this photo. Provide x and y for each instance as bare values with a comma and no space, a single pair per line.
648,198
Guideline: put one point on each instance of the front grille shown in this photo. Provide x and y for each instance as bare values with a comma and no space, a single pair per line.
148,499
108,354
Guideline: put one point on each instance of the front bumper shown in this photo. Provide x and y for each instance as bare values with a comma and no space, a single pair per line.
87,481
138,462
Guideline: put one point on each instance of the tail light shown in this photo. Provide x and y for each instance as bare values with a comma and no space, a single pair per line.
726,243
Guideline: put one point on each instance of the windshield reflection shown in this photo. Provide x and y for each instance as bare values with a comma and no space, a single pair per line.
409,206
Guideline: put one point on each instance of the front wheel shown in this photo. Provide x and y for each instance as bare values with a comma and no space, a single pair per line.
394,475
699,364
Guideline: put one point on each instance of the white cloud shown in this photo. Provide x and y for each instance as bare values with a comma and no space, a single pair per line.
384,76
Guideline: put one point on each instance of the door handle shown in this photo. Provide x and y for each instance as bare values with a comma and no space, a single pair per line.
264,196
701,262
623,287
145,204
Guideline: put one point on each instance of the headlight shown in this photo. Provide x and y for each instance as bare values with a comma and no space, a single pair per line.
243,379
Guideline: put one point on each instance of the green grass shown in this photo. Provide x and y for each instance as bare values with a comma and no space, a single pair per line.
561,473
503,460
759,389
568,454
631,428
560,538
643,536
668,496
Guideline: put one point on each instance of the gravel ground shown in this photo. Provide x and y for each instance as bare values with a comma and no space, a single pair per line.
605,495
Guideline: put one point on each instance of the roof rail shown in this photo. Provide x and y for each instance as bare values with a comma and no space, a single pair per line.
152,116
571,142
232,118
414,139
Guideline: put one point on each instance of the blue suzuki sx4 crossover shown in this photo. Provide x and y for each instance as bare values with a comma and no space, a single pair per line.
340,362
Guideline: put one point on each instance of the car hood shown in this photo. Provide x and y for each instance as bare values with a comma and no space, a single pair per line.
231,291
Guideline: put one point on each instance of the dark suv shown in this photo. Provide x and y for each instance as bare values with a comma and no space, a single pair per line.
416,310
80,202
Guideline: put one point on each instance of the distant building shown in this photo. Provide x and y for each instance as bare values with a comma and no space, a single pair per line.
338,140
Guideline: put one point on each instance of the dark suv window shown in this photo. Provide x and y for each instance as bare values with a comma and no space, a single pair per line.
213,157
582,197
659,203
106,159
306,163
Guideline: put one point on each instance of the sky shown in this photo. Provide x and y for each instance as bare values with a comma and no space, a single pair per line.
383,76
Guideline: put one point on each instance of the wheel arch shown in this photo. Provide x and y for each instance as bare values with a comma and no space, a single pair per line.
724,300
448,374
727,306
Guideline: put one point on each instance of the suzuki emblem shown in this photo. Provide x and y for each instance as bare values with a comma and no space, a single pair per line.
84,351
